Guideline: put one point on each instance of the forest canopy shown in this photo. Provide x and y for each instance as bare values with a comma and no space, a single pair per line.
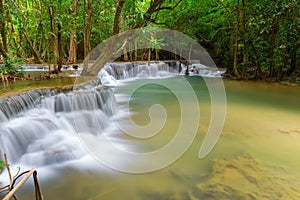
251,38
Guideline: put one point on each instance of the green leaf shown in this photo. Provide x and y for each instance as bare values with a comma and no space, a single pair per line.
3,164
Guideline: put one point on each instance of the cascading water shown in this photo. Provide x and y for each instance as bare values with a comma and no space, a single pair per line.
120,71
197,69
11,106
38,127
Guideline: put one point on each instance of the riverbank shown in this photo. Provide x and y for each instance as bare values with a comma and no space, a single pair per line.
13,88
293,80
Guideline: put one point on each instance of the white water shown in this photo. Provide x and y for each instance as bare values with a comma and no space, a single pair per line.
197,69
111,73
41,129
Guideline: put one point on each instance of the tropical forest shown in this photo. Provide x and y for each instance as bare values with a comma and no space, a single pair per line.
149,99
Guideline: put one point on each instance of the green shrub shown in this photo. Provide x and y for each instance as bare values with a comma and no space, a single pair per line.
9,68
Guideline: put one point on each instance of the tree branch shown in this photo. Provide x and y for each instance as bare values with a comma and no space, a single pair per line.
159,23
168,7
117,16
215,33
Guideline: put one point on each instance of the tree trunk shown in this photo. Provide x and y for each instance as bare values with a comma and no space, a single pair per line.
59,46
87,39
73,46
3,44
131,55
292,53
125,54
271,52
135,50
53,33
236,45
109,48
72,49
293,57
2,52
175,52
156,54
117,17
258,71
242,30
149,56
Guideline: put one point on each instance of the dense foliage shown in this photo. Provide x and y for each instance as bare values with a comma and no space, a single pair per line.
253,39
10,68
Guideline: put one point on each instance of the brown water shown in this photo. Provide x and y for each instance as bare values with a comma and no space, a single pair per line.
256,157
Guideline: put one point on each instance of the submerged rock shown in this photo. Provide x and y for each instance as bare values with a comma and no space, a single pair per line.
239,178
246,178
289,131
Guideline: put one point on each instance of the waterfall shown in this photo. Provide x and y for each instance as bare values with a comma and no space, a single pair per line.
11,106
39,128
197,69
120,71
112,72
